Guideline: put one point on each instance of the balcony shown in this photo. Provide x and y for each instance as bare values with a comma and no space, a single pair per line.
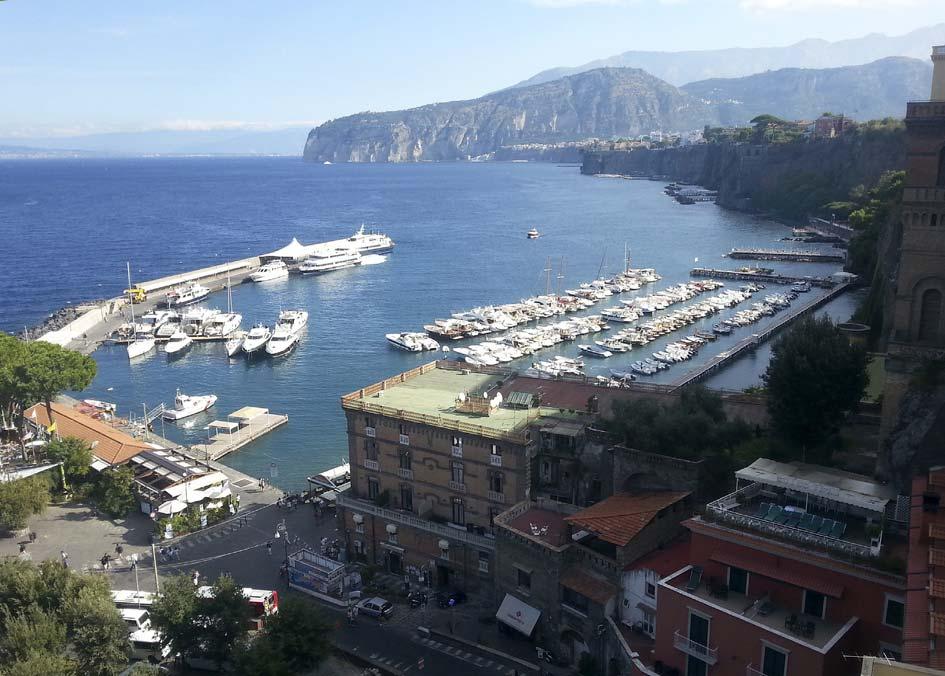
371,465
703,652
750,670
370,432
457,451
412,521
405,473
495,460
404,440
458,487
497,497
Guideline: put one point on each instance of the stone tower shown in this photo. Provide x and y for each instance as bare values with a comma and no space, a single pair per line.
918,310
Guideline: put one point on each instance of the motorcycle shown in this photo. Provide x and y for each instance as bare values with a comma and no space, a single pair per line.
416,599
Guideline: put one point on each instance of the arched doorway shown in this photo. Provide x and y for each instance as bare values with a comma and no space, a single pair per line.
930,315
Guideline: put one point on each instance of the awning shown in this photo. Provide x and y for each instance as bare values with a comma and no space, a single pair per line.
225,425
517,614
646,608
99,465
802,580
248,413
172,507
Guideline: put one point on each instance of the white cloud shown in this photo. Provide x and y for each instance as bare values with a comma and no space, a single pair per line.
804,5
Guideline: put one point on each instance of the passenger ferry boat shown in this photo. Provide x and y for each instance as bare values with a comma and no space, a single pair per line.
326,261
370,242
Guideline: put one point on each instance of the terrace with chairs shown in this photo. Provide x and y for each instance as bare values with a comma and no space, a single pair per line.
816,506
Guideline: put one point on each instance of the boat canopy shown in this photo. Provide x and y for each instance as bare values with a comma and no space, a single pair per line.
824,482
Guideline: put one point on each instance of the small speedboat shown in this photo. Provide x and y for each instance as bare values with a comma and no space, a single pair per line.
188,293
533,234
269,271
186,406
234,344
412,342
179,343
595,351
256,339
142,344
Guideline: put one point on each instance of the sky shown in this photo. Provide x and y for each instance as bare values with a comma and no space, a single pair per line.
70,67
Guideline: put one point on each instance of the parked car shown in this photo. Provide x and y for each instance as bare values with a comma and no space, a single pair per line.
375,607
443,599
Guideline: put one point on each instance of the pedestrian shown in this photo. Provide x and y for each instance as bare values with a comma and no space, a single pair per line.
269,547
64,557
104,561
237,502
119,550
32,536
196,578
22,548
176,553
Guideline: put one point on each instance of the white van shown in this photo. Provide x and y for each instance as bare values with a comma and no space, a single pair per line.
129,598
135,618
146,645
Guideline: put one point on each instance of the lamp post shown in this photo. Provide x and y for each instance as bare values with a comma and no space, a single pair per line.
134,567
281,532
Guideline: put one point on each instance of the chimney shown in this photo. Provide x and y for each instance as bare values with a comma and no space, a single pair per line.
938,73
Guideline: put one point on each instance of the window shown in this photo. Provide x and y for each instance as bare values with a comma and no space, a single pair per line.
459,512
495,482
696,667
524,579
406,498
392,537
495,450
404,458
651,590
402,428
575,600
773,661
894,612
457,441
815,603
483,562
930,313
738,580
649,623
373,489
370,449
457,469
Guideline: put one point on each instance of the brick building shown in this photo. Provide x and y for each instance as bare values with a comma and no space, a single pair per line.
786,576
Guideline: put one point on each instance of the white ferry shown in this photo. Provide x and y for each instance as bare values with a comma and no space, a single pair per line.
326,261
370,242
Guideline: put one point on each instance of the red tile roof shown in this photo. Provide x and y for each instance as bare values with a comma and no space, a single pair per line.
621,517
666,560
598,590
796,578
108,444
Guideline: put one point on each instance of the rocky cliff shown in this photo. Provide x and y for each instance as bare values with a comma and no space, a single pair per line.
786,180
605,103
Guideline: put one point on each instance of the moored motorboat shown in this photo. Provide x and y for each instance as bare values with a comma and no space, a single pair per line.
257,338
142,344
595,351
287,333
412,342
272,270
234,344
186,294
186,406
222,324
178,343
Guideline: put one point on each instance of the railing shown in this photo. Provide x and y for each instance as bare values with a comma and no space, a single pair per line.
457,486
457,451
372,465
751,671
370,432
404,439
405,519
495,460
734,499
690,647
497,497
405,473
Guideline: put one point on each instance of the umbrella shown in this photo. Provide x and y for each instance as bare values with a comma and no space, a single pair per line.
172,507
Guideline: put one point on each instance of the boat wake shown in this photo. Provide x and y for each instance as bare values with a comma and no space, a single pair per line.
373,259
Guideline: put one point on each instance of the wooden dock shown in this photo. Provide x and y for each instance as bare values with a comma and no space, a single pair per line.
754,340
240,428
763,277
782,255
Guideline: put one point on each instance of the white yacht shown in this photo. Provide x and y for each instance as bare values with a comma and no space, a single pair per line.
170,325
412,342
142,344
222,325
287,332
533,233
269,271
370,242
196,319
257,338
234,344
154,320
186,294
186,406
178,343
326,261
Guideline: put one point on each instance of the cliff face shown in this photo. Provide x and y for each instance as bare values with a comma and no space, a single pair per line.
604,103
788,180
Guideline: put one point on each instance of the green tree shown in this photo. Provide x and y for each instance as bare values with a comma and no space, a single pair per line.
99,635
40,664
29,632
49,369
21,499
74,454
225,620
12,358
114,492
815,375
295,640
175,615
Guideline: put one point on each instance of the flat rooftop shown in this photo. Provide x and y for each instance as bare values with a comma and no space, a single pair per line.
432,394
544,524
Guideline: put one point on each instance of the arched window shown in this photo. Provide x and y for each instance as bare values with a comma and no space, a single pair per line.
930,314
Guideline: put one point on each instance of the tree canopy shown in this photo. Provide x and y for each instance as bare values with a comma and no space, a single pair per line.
814,377
114,491
74,454
55,621
21,499
294,641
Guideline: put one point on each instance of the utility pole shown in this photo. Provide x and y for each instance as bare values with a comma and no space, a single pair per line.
157,581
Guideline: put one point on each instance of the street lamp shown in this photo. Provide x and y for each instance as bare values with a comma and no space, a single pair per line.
281,532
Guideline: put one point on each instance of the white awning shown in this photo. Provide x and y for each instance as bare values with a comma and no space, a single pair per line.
197,483
172,507
824,482
99,465
518,615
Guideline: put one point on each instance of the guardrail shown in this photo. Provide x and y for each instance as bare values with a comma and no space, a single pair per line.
696,649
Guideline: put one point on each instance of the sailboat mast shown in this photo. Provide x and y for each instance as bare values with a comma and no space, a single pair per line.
548,276
131,300
229,293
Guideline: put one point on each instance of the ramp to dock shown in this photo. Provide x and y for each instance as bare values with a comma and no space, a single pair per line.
239,429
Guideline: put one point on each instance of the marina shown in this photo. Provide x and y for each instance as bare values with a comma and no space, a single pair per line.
797,256
754,275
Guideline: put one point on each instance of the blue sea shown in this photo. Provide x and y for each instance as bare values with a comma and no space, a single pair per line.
69,226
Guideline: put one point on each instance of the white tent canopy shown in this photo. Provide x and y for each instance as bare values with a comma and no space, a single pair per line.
293,251
825,482
198,483
172,507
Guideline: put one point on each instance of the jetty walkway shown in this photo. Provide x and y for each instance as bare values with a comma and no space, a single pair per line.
763,277
782,255
754,340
